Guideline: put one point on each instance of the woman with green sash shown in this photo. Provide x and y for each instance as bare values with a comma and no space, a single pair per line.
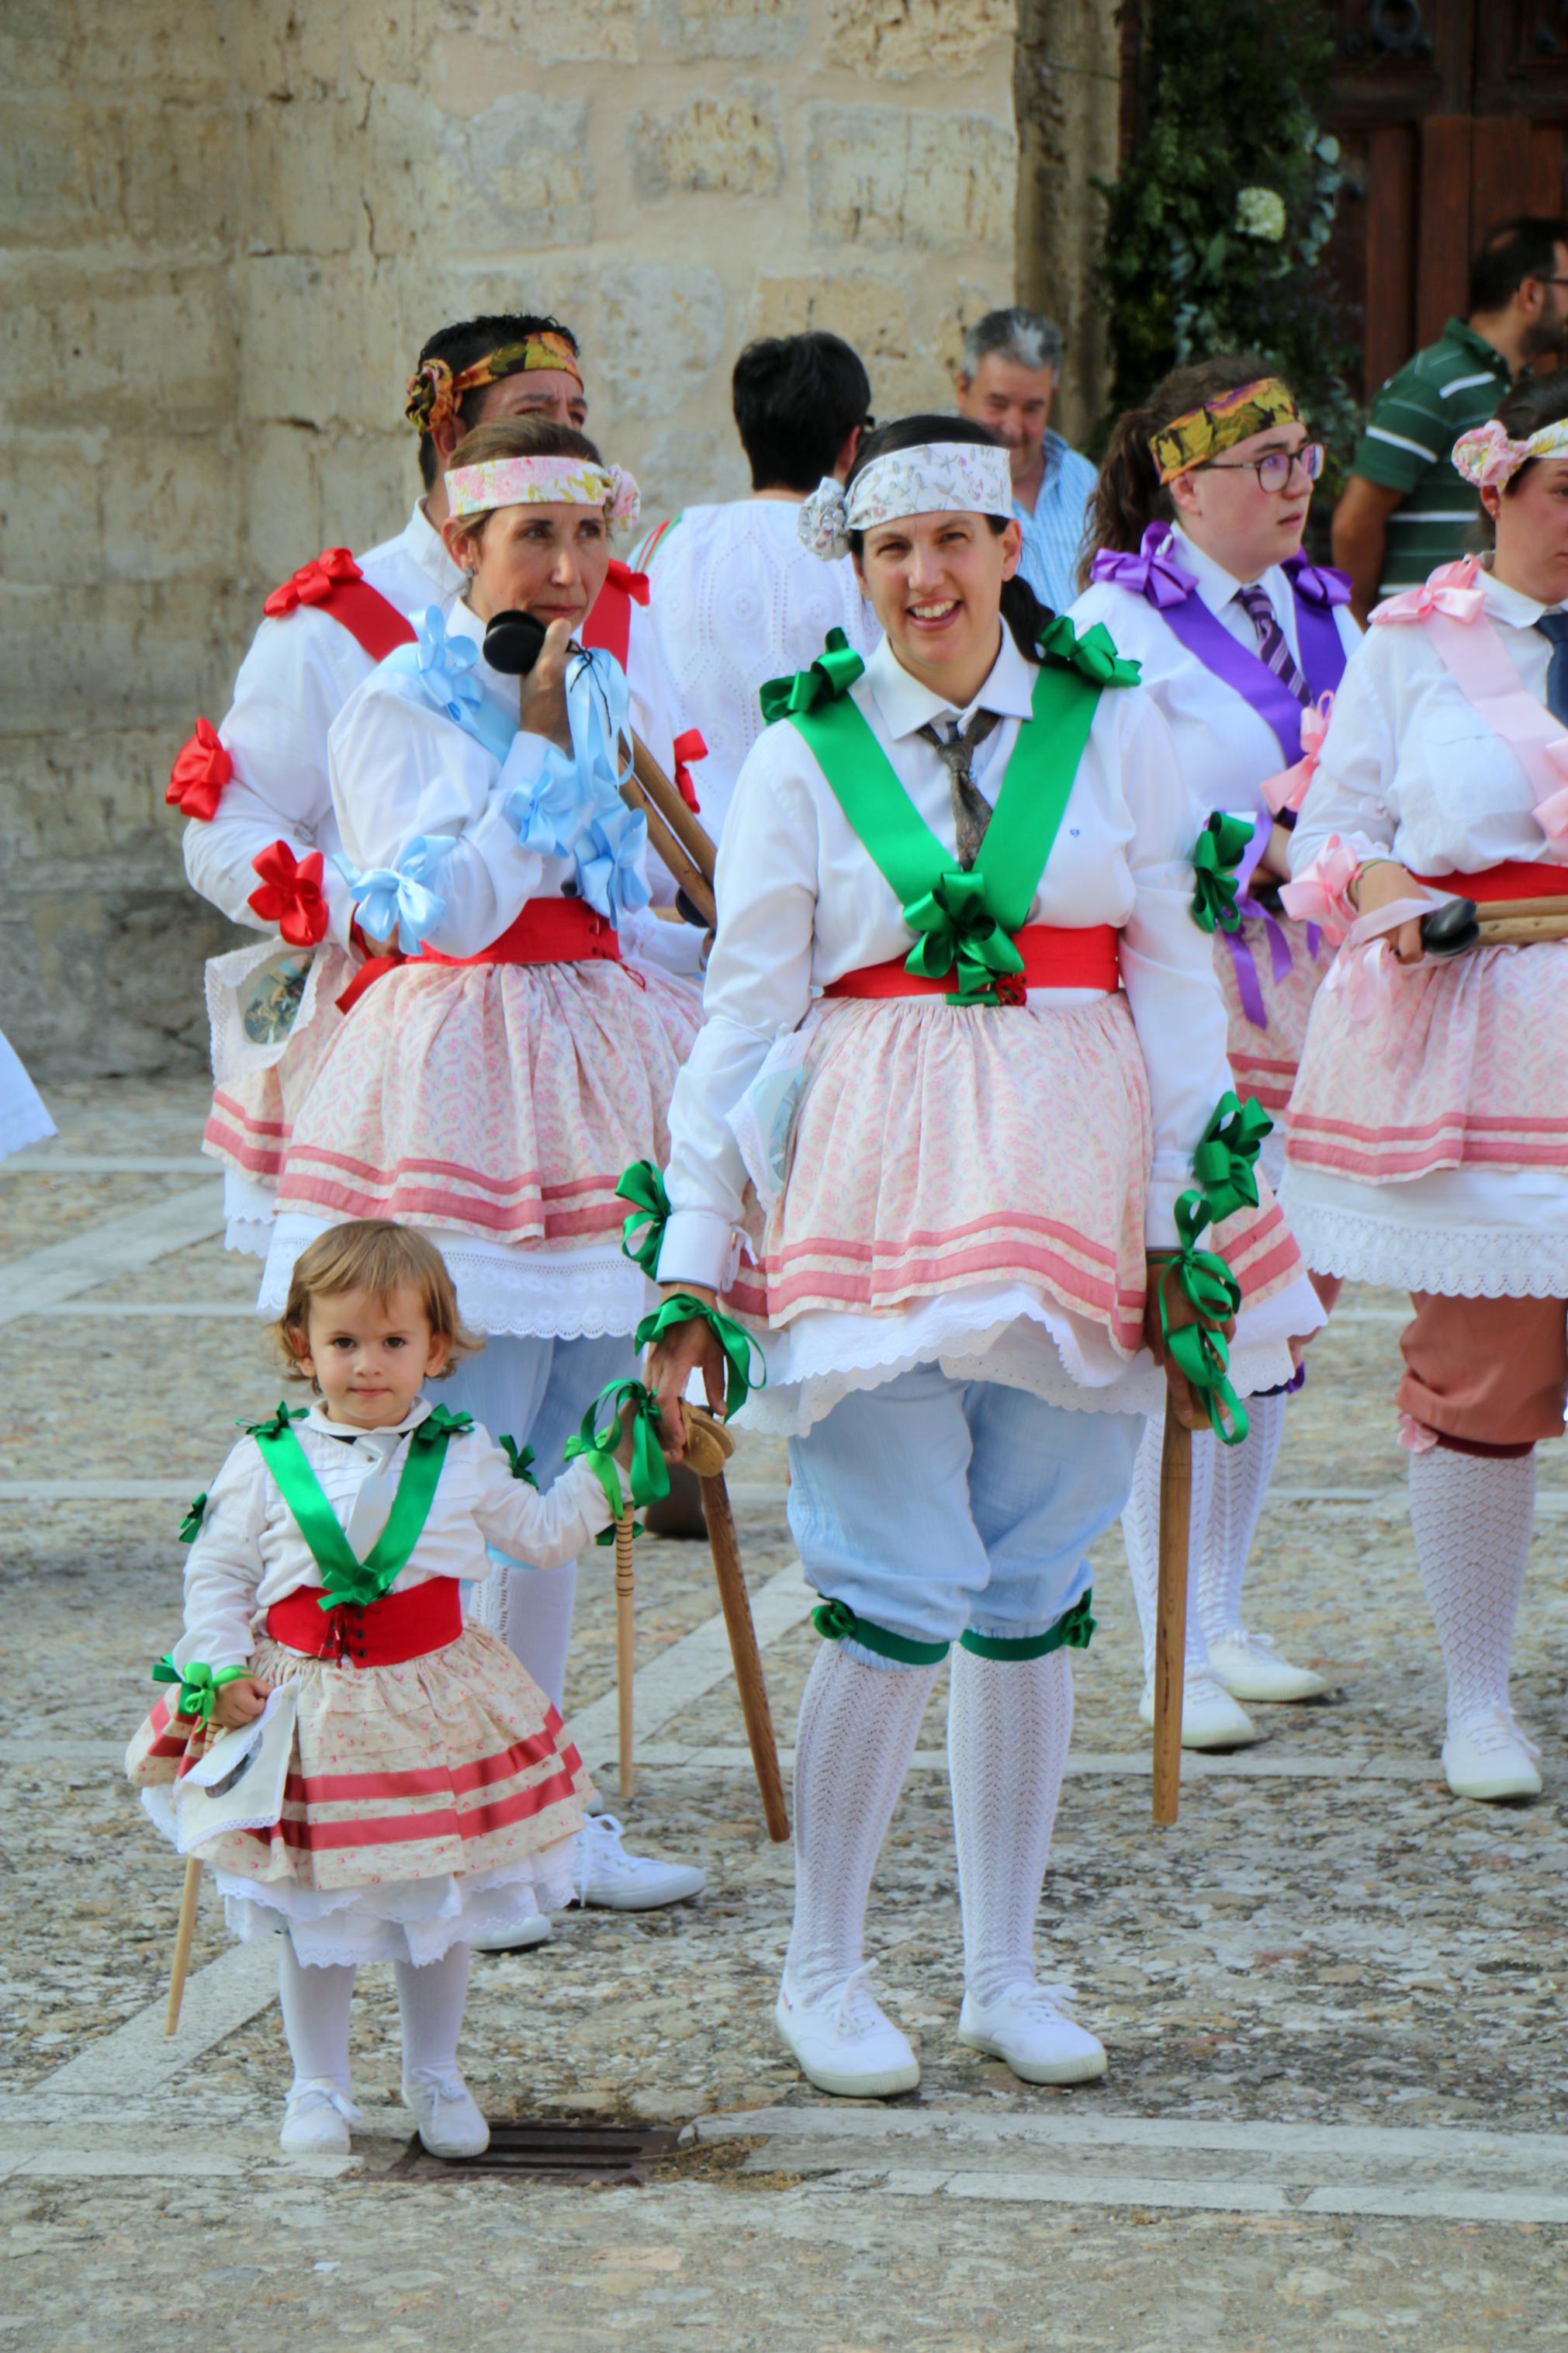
963,1042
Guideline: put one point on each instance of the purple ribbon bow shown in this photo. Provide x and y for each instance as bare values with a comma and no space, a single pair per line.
1154,573
1249,987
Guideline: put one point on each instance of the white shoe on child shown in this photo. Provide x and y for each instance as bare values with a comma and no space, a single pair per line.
316,2119
1249,1666
536,1931
449,2123
1490,1759
1023,2025
845,2042
608,1876
1210,1717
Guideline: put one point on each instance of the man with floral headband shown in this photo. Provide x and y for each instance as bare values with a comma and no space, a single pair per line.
261,840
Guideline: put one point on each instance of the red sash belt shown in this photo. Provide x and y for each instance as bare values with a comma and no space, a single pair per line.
546,930
1517,880
1055,956
398,1627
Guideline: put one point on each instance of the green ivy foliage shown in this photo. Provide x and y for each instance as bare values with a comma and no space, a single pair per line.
1217,228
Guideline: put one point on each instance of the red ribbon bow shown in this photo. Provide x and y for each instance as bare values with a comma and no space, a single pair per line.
636,584
314,582
200,771
291,895
687,746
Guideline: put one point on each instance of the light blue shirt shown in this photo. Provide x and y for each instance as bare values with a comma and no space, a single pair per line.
1053,534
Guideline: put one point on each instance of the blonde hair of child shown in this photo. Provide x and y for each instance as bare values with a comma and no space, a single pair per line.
371,1254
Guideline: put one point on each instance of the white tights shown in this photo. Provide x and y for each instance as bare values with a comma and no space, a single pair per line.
315,2005
1471,1517
1229,1486
1008,1725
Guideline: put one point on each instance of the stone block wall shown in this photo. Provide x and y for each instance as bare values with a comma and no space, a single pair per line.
227,227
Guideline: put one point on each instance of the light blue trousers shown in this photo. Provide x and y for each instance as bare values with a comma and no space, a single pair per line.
933,1507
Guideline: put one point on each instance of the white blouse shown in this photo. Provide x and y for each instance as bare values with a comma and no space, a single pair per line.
1225,748
1409,767
250,1552
801,902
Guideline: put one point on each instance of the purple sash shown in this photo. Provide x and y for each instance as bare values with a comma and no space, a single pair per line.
1156,575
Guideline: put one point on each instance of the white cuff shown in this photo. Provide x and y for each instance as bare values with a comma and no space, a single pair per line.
696,1249
1159,1210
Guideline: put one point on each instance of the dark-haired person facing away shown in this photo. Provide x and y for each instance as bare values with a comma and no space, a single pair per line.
953,896
737,599
258,789
1403,511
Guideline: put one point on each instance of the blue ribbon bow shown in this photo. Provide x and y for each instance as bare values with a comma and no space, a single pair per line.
402,898
447,665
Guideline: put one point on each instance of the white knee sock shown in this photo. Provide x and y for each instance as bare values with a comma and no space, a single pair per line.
430,2005
1140,1534
1471,1517
1239,1482
1008,1725
856,1734
315,2006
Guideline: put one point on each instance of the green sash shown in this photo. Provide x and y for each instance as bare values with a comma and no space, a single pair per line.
347,1579
964,922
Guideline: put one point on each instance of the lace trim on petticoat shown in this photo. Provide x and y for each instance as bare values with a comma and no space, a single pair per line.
589,1293
410,1920
1463,1262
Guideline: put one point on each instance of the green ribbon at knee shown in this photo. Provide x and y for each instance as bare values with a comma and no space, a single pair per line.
837,1622
1074,1630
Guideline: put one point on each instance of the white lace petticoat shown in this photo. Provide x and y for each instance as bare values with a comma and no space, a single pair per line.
1467,1233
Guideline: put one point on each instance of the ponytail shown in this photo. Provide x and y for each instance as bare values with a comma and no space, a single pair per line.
1022,610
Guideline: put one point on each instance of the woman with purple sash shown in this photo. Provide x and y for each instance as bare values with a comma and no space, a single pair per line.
1195,565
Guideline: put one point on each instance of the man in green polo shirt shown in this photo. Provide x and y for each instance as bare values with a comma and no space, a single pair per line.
1405,510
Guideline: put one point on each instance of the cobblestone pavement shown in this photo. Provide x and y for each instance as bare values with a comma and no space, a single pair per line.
1331,1995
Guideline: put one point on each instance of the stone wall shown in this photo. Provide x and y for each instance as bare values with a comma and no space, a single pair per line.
228,227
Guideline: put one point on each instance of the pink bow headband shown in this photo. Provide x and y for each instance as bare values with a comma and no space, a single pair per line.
1487,457
542,481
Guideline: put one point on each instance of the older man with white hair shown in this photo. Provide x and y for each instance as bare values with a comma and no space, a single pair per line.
1007,380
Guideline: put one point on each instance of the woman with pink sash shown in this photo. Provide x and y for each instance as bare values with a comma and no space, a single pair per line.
1196,567
1429,1133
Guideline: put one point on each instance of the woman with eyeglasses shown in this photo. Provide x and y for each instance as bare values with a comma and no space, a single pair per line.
1194,565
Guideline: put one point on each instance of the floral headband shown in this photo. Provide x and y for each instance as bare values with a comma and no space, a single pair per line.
935,478
543,483
433,391
1193,439
1487,457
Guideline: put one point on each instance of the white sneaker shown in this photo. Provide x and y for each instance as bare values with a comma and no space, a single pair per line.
536,1931
1023,2026
844,2044
1210,1717
316,2119
1489,1757
618,1882
1249,1667
449,2123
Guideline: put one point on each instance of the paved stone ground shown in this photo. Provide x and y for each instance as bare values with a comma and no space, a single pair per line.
1331,1995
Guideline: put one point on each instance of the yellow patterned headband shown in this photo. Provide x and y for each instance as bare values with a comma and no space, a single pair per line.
1193,439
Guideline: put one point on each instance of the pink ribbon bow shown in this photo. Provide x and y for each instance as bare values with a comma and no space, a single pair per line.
688,746
202,768
291,895
1451,590
1287,790
314,582
1318,896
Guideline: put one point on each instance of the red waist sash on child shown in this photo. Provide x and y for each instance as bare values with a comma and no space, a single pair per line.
385,1634
545,931
1495,885
1055,956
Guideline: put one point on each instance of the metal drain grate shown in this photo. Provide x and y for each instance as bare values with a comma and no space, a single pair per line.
619,2155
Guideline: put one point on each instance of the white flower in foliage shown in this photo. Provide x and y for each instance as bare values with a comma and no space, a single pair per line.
1260,212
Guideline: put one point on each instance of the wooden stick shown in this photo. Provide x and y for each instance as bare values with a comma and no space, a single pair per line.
1171,1615
625,1647
674,835
709,1447
182,1935
1517,928
1499,910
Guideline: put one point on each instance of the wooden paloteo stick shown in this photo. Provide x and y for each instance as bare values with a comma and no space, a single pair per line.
709,1446
1171,1612
625,1647
674,835
182,1935
1522,923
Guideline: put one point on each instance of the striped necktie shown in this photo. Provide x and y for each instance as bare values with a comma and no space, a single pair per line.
1554,628
1273,646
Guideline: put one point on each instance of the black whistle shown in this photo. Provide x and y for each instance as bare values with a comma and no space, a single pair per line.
1449,930
513,643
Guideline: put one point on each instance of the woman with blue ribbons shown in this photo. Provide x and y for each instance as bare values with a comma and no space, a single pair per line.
962,1049
515,1039
1197,571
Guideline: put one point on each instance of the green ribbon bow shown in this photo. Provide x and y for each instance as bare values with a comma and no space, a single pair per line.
958,929
643,1185
832,673
191,1526
649,1471
1215,855
1094,653
441,1423
522,1461
199,1684
1224,1163
275,1425
741,1351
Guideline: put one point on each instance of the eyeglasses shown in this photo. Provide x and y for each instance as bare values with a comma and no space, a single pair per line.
1274,469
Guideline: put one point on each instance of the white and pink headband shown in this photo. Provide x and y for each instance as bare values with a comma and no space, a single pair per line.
1487,457
540,482
935,477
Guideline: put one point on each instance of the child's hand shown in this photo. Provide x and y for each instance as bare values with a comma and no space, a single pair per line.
240,1702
